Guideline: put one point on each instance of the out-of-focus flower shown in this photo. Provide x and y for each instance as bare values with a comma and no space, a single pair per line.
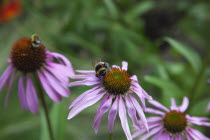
115,87
171,124
9,9
29,58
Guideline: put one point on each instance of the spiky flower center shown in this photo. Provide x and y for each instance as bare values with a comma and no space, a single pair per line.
117,81
175,122
28,54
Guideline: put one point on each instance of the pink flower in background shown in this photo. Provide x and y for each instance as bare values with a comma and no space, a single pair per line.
171,124
115,87
208,107
29,59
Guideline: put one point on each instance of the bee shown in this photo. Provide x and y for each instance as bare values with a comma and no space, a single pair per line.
101,68
36,42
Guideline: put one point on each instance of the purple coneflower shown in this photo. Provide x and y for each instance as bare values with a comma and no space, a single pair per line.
28,57
116,90
171,124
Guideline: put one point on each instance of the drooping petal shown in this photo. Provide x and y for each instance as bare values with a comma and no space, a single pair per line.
139,111
104,108
124,65
184,105
48,89
56,85
11,79
65,70
150,133
5,76
79,98
141,97
75,110
21,93
101,104
31,96
123,118
65,60
158,105
58,74
131,111
112,115
139,90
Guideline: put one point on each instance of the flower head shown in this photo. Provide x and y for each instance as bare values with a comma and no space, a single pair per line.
115,88
171,124
30,58
9,9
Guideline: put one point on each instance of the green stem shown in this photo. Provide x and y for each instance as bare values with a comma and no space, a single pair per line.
44,105
193,90
110,136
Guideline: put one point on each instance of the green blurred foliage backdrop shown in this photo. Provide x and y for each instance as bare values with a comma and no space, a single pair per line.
164,41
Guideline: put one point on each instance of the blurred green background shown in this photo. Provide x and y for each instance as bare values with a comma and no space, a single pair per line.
165,43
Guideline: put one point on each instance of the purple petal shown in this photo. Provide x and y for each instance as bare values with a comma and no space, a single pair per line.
80,76
9,60
158,136
9,88
78,99
5,76
150,133
112,115
197,134
197,121
124,65
64,69
103,109
154,111
75,110
115,66
154,119
134,78
141,97
48,89
208,107
90,80
123,118
140,90
21,93
131,111
139,111
86,71
184,105
58,74
173,104
62,57
188,136
56,85
31,96
158,105
101,104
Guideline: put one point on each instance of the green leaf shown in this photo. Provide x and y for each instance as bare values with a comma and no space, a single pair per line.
139,9
188,53
167,86
111,8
